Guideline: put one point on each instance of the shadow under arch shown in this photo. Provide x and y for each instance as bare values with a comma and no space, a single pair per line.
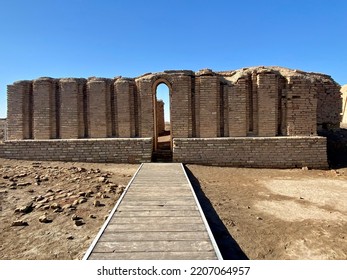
227,245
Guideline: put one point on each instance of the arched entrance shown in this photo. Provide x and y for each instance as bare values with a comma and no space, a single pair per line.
162,121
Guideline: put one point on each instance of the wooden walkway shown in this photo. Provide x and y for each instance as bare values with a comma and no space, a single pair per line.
157,217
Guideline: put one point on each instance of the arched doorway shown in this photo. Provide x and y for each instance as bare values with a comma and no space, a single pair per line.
162,120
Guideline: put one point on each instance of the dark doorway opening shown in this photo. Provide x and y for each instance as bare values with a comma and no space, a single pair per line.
163,141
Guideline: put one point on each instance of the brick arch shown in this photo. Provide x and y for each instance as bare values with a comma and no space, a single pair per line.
160,80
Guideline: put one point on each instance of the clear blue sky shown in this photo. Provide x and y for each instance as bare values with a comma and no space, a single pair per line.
76,38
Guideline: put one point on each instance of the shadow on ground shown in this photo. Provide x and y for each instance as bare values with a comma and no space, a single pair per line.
336,147
228,247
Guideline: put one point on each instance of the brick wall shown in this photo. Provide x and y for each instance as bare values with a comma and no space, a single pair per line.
258,101
135,150
2,129
266,152
160,117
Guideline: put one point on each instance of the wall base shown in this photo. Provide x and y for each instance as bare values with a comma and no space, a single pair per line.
262,152
115,150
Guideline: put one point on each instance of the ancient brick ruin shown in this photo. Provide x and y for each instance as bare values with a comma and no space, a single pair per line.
231,118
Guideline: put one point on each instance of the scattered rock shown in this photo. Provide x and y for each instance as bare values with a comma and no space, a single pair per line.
44,219
301,197
70,237
67,206
97,203
19,223
82,193
46,207
79,222
305,168
55,206
92,216
75,217
259,218
102,179
105,217
82,200
25,209
23,184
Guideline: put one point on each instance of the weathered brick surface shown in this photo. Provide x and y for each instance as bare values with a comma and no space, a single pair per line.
160,117
270,152
250,102
3,129
119,150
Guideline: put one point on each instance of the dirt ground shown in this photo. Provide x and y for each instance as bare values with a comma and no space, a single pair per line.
253,213
275,214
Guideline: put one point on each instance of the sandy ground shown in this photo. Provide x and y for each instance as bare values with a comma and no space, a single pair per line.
275,214
253,213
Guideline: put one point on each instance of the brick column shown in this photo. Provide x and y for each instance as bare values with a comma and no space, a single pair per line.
99,104
71,109
209,106
181,111
267,104
146,108
238,108
44,111
19,110
124,107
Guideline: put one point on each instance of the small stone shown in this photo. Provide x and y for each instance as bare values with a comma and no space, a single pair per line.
75,217
248,207
82,200
97,203
25,209
259,218
70,237
81,169
82,193
301,197
104,196
46,207
105,217
19,223
23,184
79,222
55,206
39,198
44,219
305,168
66,206
101,179
92,216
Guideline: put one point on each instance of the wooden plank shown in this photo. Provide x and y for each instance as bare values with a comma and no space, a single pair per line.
156,227
153,236
159,220
153,246
125,207
155,213
163,202
154,256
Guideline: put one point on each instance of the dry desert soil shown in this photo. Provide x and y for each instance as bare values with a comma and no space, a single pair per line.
53,210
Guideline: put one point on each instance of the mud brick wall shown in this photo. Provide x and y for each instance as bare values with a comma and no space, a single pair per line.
265,152
44,109
249,102
19,110
160,117
71,108
119,150
2,129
